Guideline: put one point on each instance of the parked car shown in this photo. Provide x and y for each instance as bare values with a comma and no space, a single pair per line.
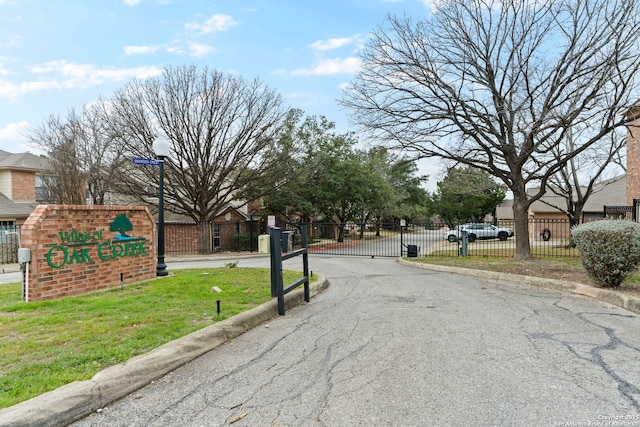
479,231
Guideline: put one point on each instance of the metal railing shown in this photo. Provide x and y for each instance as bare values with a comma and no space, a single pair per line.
547,237
278,245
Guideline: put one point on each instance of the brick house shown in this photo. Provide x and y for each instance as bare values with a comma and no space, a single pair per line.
234,228
544,215
20,186
20,191
633,156
616,193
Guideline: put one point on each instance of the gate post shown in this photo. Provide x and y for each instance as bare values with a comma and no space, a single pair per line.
305,262
276,260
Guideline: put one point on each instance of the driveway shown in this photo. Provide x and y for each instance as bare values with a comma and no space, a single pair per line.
390,345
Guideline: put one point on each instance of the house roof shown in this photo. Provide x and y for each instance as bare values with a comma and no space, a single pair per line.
19,210
23,161
611,192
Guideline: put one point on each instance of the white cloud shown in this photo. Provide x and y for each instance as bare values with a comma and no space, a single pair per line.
13,42
330,67
216,23
192,49
131,2
432,5
196,49
140,50
12,90
66,75
83,75
176,50
334,43
14,132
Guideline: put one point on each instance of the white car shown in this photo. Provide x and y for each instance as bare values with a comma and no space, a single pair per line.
478,231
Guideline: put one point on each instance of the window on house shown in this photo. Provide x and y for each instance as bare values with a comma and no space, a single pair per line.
216,235
152,191
42,194
8,232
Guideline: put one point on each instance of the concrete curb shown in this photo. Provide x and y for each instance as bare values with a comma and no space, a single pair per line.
76,400
627,302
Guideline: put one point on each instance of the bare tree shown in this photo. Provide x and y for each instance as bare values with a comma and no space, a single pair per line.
223,132
584,174
103,158
497,84
86,162
66,182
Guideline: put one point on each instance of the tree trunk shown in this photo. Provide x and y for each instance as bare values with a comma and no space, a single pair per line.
521,224
341,232
205,245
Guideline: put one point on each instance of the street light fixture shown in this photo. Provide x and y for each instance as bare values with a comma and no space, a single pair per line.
161,148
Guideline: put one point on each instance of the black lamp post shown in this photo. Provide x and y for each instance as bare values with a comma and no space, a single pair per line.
161,147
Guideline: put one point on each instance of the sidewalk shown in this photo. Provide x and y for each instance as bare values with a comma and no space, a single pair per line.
10,268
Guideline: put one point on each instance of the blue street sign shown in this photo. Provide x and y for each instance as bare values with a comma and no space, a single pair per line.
151,162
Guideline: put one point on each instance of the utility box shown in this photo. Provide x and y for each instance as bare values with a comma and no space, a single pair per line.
24,255
263,244
412,251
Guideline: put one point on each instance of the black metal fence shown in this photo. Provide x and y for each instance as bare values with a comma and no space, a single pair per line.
355,239
548,238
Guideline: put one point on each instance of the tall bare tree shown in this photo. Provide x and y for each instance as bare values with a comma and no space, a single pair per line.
103,158
223,131
497,84
86,162
59,137
584,174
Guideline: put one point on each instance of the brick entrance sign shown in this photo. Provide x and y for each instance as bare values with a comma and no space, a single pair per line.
78,249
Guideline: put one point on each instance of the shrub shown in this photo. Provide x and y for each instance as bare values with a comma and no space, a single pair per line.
242,242
609,249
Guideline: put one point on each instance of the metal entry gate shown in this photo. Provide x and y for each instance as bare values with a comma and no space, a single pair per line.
383,240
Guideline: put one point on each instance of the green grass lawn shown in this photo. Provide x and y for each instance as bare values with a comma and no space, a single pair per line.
48,344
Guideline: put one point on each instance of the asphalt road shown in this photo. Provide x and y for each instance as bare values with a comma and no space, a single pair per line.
388,345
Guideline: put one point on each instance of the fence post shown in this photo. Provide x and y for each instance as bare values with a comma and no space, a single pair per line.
276,268
305,261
